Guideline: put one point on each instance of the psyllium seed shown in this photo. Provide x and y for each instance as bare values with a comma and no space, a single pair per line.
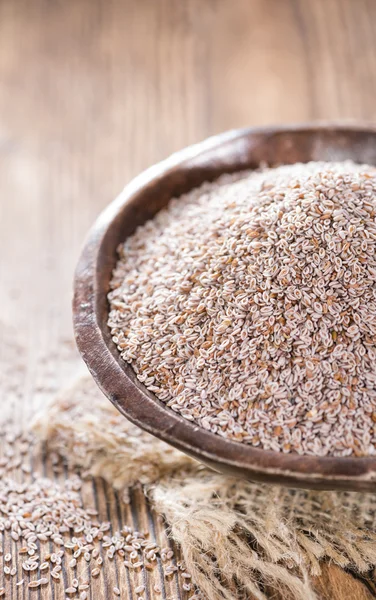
139,589
248,306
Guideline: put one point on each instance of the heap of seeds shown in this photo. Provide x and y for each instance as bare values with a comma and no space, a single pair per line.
249,307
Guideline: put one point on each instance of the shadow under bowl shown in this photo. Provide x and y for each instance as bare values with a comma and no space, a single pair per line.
140,201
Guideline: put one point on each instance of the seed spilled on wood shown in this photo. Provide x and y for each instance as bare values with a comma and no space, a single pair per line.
42,511
51,509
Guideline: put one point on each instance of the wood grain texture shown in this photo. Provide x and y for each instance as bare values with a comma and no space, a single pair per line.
93,91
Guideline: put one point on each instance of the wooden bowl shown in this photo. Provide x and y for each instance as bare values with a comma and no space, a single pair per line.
141,199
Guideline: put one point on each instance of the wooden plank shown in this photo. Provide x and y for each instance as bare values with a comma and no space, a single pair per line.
93,91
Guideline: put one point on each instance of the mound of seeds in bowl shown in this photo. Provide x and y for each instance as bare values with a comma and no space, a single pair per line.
249,307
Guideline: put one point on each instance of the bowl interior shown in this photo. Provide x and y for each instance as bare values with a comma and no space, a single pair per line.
140,200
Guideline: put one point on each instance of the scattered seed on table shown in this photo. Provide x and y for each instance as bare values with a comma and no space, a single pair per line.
117,591
33,525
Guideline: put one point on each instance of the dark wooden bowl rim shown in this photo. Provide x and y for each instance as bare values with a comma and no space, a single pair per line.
116,379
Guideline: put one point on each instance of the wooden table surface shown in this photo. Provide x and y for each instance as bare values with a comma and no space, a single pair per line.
93,91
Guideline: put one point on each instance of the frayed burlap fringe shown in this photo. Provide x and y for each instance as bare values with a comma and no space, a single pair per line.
84,428
236,537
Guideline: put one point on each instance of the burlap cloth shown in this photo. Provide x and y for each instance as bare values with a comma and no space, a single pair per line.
236,537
